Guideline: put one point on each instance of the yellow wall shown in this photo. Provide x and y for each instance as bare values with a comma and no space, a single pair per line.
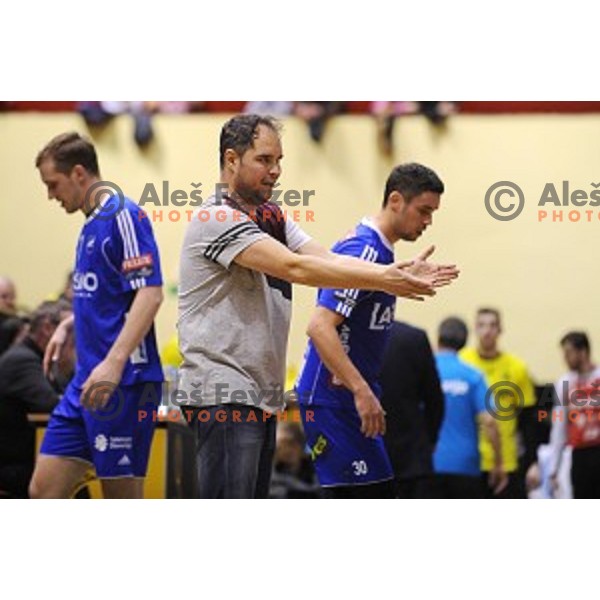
542,275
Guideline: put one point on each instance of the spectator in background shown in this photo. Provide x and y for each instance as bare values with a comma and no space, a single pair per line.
99,113
316,115
437,112
456,459
8,296
293,475
12,331
414,407
575,418
500,367
12,327
67,292
541,483
24,389
274,108
386,112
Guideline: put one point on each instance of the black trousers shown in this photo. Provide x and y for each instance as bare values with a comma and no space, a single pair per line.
14,480
458,487
416,488
515,490
383,489
585,472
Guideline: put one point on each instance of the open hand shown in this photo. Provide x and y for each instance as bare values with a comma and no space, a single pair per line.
437,275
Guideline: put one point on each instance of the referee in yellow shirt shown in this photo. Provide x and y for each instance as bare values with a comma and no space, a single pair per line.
499,366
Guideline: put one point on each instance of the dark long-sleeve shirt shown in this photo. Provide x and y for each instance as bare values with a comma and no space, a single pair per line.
23,389
413,401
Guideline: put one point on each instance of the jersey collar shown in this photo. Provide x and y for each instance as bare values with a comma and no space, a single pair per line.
368,222
105,198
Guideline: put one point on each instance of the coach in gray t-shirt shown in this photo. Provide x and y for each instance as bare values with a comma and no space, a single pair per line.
234,322
238,261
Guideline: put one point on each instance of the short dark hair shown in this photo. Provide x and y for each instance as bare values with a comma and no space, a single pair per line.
50,310
486,310
68,150
578,339
412,179
453,333
9,330
240,131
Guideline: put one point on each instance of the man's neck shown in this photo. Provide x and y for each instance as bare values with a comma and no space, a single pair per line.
488,353
91,200
38,342
446,349
587,367
384,225
245,204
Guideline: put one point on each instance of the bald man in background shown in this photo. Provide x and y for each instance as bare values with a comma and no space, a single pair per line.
8,296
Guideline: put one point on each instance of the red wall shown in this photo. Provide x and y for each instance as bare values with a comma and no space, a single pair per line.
354,107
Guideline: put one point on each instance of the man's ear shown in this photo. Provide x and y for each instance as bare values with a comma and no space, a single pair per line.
47,330
51,328
395,199
232,158
79,173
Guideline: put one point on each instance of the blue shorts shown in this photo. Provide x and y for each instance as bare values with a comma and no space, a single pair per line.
115,440
341,454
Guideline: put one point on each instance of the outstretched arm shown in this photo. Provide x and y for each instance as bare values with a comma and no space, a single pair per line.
327,270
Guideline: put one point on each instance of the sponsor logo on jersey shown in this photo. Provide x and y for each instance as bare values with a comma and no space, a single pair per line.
101,442
455,387
319,447
121,442
89,245
138,266
381,317
124,461
85,282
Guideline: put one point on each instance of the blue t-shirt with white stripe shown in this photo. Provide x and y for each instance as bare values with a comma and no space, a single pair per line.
365,330
116,255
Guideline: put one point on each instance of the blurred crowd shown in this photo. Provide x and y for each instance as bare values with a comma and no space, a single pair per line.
24,387
315,114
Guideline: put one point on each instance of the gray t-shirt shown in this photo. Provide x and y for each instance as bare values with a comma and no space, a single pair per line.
233,322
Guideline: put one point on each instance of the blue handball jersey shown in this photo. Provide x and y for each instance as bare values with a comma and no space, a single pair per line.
116,256
364,332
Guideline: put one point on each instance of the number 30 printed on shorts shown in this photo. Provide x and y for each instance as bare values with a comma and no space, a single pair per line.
360,467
